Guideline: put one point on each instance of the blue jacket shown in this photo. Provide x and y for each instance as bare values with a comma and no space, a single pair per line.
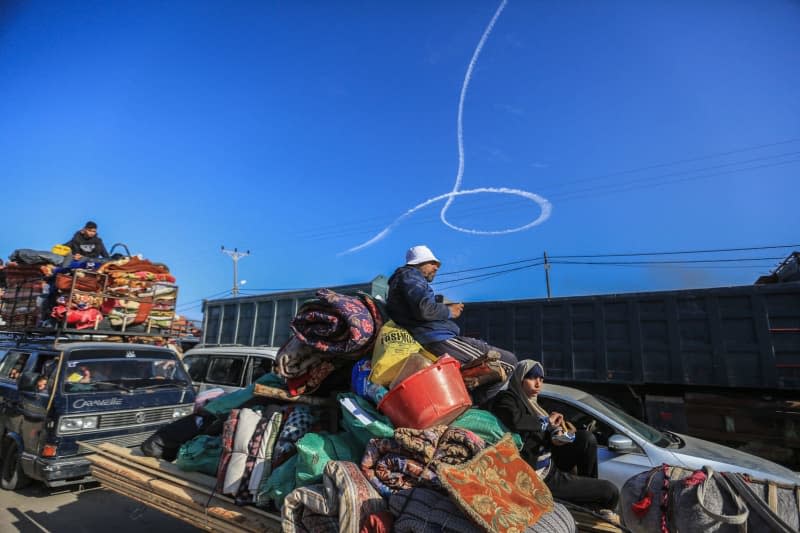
411,303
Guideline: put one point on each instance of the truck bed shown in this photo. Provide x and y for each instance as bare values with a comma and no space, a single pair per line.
188,496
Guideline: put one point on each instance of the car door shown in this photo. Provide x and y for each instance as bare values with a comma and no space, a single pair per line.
225,371
34,403
613,466
10,407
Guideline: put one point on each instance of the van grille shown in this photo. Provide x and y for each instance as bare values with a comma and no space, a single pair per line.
129,418
127,441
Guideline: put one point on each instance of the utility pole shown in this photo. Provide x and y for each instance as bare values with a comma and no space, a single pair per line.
235,254
547,274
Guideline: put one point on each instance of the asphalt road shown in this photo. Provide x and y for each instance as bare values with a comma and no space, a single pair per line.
91,508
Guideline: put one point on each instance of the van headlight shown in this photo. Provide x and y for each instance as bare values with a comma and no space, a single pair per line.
70,424
180,412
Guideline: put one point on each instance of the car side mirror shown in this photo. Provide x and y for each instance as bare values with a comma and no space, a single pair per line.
621,444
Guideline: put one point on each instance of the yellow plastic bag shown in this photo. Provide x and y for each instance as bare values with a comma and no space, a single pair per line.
392,347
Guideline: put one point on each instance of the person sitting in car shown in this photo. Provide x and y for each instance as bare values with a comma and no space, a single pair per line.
548,448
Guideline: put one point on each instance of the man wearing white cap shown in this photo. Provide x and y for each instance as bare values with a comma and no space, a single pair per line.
412,304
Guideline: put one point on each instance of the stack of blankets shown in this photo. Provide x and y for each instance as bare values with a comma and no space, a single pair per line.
44,288
139,292
25,294
331,462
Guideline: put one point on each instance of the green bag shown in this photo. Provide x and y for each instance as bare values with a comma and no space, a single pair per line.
485,425
201,454
362,421
314,450
223,405
279,484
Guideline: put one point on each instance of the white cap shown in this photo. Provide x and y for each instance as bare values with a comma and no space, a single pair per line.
420,254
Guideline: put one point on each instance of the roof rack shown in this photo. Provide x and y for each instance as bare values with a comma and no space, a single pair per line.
69,334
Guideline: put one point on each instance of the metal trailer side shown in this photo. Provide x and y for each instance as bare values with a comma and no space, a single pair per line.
720,363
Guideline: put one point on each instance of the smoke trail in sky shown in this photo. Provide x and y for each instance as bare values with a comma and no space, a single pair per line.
544,205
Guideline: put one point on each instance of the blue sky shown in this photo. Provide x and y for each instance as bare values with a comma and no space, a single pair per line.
299,130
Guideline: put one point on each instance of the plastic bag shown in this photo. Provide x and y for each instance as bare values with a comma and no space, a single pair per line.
392,347
314,450
201,454
362,420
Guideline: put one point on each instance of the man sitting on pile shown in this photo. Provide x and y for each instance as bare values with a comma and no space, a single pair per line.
86,244
412,304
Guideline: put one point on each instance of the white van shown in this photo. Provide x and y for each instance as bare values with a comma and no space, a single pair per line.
228,367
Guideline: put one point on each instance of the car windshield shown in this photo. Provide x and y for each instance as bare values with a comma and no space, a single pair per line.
630,423
98,370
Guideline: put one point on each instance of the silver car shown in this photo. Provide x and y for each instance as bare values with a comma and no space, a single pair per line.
627,446
228,367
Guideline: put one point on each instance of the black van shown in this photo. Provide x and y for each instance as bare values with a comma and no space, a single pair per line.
55,394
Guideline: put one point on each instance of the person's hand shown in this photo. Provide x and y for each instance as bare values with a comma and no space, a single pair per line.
455,309
556,419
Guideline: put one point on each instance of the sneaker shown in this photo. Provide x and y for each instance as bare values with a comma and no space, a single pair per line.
609,515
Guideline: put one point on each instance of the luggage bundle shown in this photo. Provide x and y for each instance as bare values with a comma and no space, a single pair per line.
44,289
25,294
670,498
325,440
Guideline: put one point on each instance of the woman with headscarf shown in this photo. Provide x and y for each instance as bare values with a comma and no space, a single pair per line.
546,449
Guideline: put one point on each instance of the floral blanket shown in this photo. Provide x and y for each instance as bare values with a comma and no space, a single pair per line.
336,324
410,459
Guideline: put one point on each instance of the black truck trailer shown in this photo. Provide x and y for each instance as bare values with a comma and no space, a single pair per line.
721,364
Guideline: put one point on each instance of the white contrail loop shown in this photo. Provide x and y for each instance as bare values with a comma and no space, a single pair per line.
544,205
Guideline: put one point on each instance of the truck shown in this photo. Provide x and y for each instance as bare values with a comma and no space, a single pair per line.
57,392
722,364
554,331
84,359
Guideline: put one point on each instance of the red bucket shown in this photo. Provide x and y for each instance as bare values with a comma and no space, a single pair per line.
434,395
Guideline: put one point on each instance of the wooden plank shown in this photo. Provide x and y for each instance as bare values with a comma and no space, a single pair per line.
164,468
169,471
162,504
120,482
183,495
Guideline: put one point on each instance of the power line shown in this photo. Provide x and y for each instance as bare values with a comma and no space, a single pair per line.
678,262
707,263
201,299
631,254
491,273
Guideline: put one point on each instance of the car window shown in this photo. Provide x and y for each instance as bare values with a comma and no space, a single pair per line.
196,365
581,419
112,368
226,370
259,367
45,365
13,365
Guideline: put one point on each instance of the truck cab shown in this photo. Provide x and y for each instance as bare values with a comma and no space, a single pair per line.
57,393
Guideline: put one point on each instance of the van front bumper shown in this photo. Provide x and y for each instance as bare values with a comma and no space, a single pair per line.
57,472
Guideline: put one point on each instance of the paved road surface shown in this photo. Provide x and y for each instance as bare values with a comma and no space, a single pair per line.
37,509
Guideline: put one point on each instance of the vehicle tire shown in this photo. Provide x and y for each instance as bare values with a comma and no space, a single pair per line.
11,475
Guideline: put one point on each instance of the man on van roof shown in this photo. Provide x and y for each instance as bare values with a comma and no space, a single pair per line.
412,304
87,244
